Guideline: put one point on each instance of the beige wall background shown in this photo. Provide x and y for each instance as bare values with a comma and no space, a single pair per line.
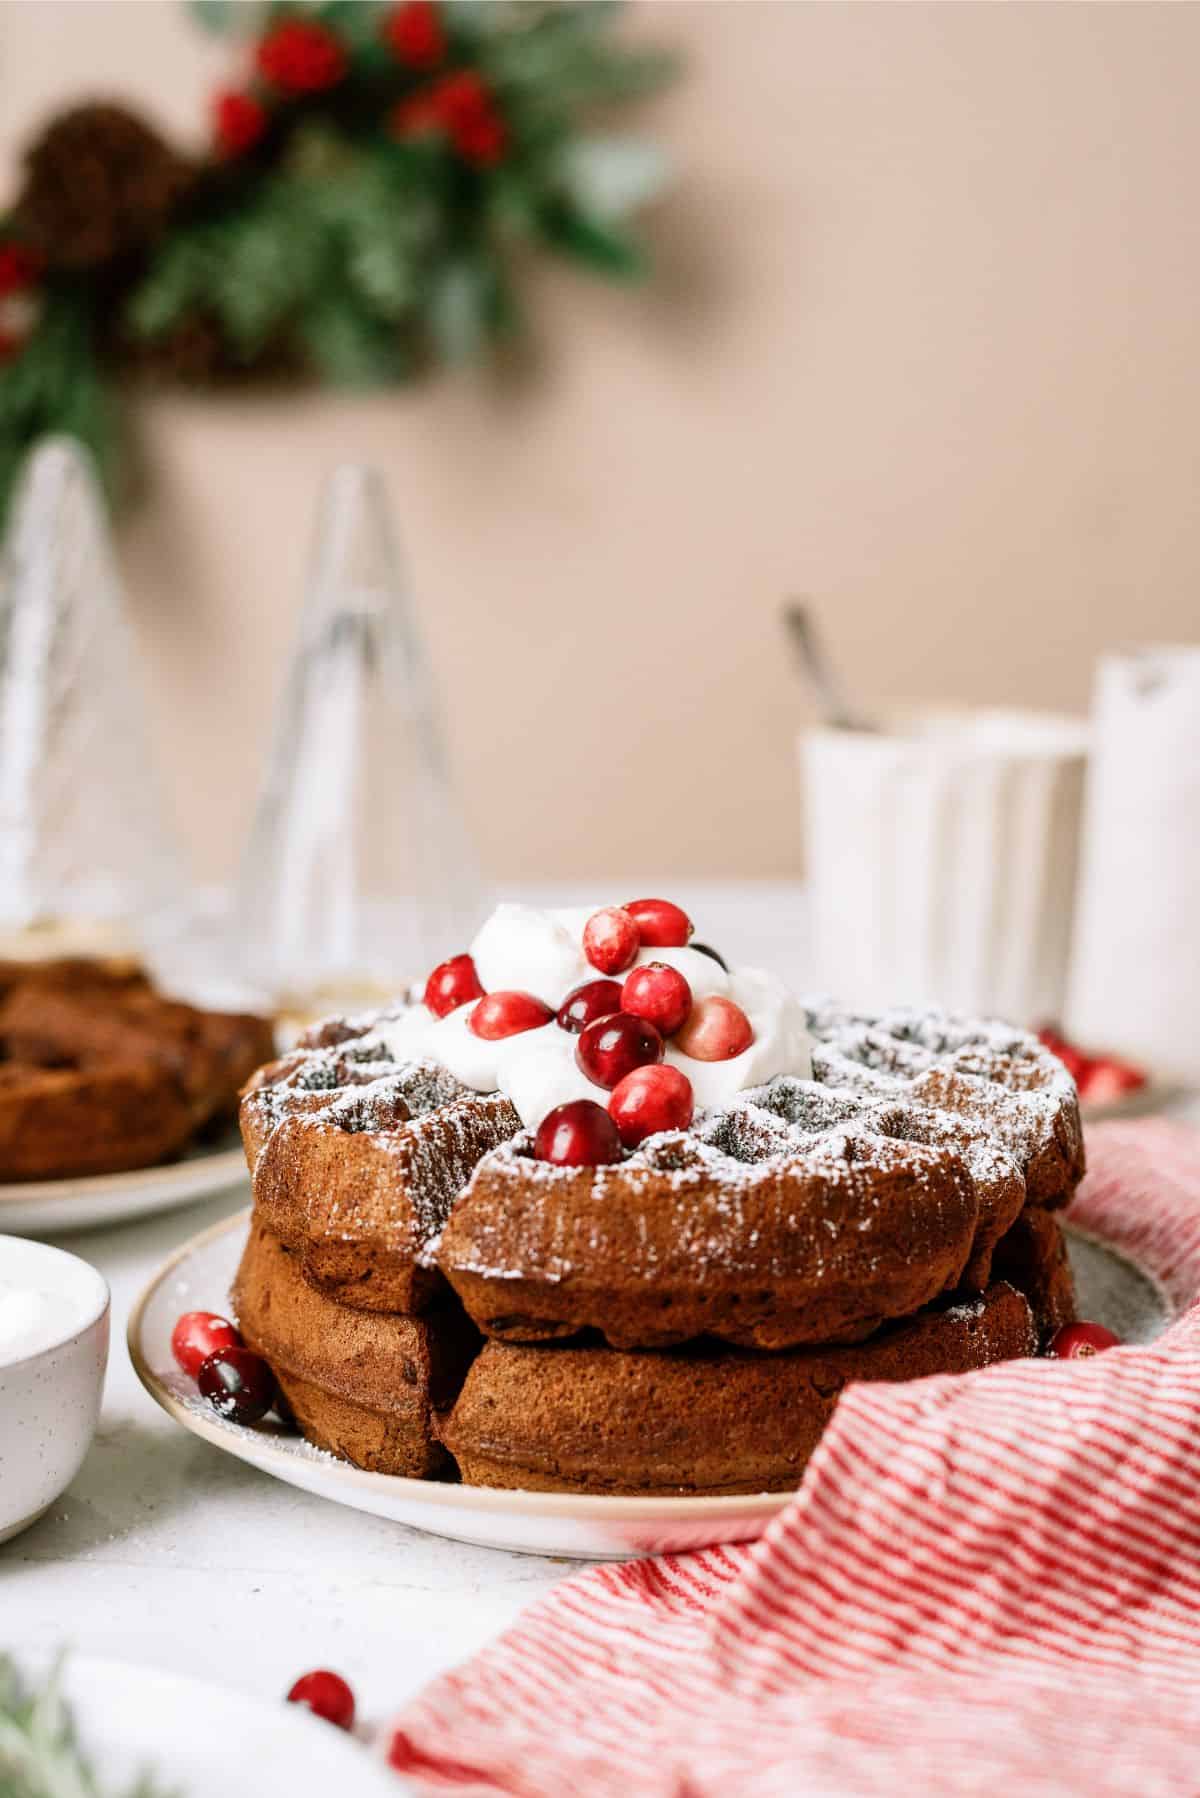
924,345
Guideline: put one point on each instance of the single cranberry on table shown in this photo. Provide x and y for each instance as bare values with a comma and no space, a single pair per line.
199,1334
658,993
661,925
649,1100
611,940
326,1695
1076,1341
238,1384
452,983
580,1134
594,999
507,1013
612,1047
716,1030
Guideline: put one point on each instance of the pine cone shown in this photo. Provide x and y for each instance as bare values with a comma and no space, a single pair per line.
100,184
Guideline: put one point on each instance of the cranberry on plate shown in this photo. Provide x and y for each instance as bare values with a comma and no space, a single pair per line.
612,1047
326,1695
1075,1342
504,1014
452,983
611,939
661,925
659,994
238,1384
580,1134
199,1334
649,1100
594,999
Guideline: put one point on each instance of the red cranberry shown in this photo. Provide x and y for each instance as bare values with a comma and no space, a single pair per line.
594,999
1105,1080
612,1047
649,1100
326,1695
238,1384
507,1014
452,983
1074,1341
580,1134
716,1030
611,940
661,925
658,993
199,1334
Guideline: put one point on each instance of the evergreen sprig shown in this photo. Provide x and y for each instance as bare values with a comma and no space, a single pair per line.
39,1754
375,181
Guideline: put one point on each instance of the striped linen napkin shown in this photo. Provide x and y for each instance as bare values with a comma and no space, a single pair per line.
984,1583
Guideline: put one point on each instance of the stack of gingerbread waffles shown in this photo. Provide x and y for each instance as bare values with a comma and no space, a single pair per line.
100,1073
451,1277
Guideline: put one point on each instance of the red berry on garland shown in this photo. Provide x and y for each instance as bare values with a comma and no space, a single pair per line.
326,1695
611,940
660,993
199,1334
662,925
612,1047
506,1014
238,1384
415,34
594,999
649,1100
481,141
301,56
20,268
716,1030
461,96
580,1134
1076,1341
239,121
452,983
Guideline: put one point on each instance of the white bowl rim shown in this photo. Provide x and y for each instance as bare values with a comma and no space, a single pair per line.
88,1315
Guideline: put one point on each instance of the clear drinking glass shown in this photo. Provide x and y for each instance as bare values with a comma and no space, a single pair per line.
358,873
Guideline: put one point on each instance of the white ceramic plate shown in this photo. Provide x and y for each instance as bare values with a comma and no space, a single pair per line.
199,1276
54,1207
193,1739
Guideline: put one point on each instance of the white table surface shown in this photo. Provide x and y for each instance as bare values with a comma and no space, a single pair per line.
169,1553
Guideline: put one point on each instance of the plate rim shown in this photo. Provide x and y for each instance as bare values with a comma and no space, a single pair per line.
440,1495
199,1168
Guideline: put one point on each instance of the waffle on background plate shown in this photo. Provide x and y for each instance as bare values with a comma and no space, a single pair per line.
437,1302
100,1073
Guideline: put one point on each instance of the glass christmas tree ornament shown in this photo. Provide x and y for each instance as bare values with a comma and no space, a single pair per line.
86,857
358,874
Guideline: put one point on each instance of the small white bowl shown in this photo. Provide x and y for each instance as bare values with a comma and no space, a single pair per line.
50,1385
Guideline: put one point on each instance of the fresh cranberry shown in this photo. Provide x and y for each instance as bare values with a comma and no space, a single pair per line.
612,1047
649,1100
452,983
199,1334
716,1030
238,1384
704,949
1105,1080
507,1014
1074,1341
326,1695
611,940
660,924
658,993
580,1134
594,999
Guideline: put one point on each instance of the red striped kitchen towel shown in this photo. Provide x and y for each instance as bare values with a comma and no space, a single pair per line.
986,1583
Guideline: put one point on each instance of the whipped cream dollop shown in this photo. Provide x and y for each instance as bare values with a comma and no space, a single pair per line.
32,1320
524,949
